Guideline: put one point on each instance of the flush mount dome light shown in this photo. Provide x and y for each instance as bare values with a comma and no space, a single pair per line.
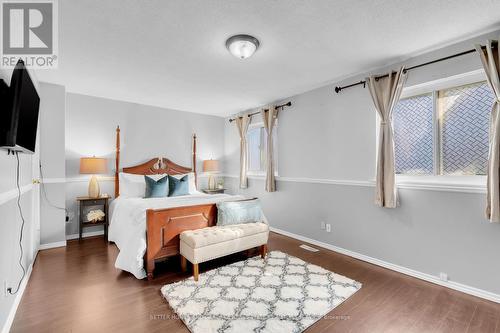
242,46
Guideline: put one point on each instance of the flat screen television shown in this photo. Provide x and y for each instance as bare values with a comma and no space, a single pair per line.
19,104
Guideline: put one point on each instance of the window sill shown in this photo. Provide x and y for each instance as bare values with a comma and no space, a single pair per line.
467,184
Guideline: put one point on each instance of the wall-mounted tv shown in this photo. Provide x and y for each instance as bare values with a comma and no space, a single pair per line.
19,104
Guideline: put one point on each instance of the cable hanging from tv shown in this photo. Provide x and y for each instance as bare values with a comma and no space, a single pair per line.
21,255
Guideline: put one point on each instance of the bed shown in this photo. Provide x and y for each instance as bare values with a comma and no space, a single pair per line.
146,230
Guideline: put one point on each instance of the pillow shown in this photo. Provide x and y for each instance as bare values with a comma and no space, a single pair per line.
156,188
134,186
131,186
192,183
237,212
178,186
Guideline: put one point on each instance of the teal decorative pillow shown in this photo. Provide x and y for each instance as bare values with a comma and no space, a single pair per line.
156,188
178,187
237,212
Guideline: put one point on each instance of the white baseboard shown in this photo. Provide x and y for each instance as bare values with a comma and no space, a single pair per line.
52,245
85,234
407,271
12,313
69,237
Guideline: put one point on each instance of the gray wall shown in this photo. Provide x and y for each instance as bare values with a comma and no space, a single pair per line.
332,136
52,121
146,132
10,223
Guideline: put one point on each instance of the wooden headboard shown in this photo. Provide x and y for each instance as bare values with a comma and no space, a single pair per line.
154,166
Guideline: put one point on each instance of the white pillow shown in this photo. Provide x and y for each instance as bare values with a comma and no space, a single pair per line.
134,186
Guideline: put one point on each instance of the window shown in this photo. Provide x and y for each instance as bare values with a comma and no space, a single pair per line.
257,149
444,132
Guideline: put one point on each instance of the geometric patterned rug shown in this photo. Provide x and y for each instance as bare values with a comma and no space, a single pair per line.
278,294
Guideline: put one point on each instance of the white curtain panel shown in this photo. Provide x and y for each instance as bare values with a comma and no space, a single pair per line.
491,63
269,118
385,92
242,125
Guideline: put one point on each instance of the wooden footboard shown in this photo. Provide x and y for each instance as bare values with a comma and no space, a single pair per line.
163,227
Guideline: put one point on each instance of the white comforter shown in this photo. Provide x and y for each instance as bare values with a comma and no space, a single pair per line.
128,225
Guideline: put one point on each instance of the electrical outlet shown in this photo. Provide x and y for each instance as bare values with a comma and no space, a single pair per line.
328,227
443,276
323,225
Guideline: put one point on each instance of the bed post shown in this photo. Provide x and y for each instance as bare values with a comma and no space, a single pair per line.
194,160
117,162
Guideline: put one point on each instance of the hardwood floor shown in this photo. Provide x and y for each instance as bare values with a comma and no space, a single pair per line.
77,289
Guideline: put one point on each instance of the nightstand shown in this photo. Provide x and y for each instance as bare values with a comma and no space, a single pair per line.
85,202
216,191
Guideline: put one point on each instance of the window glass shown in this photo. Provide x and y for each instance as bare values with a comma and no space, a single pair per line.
254,151
465,113
445,132
413,135
257,148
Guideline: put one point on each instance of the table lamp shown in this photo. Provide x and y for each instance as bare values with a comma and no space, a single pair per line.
211,167
93,166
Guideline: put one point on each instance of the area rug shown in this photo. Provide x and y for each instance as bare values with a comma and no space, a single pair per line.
278,294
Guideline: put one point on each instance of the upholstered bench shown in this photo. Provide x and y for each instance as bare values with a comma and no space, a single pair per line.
202,245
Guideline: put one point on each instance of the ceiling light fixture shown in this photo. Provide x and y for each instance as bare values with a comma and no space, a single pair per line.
242,46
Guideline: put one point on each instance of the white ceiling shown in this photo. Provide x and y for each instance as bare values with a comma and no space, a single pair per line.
171,53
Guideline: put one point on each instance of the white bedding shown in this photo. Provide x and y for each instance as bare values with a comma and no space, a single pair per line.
128,225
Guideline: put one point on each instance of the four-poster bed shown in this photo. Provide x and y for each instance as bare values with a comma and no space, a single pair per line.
163,226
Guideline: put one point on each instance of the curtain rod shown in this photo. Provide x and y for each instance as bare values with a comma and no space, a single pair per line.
254,113
363,82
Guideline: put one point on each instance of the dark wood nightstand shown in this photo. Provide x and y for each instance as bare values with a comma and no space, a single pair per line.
216,191
90,202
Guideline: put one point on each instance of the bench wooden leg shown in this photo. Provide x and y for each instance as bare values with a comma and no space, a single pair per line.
263,251
150,267
195,271
183,263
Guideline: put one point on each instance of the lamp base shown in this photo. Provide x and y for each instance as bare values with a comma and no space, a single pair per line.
211,182
94,191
